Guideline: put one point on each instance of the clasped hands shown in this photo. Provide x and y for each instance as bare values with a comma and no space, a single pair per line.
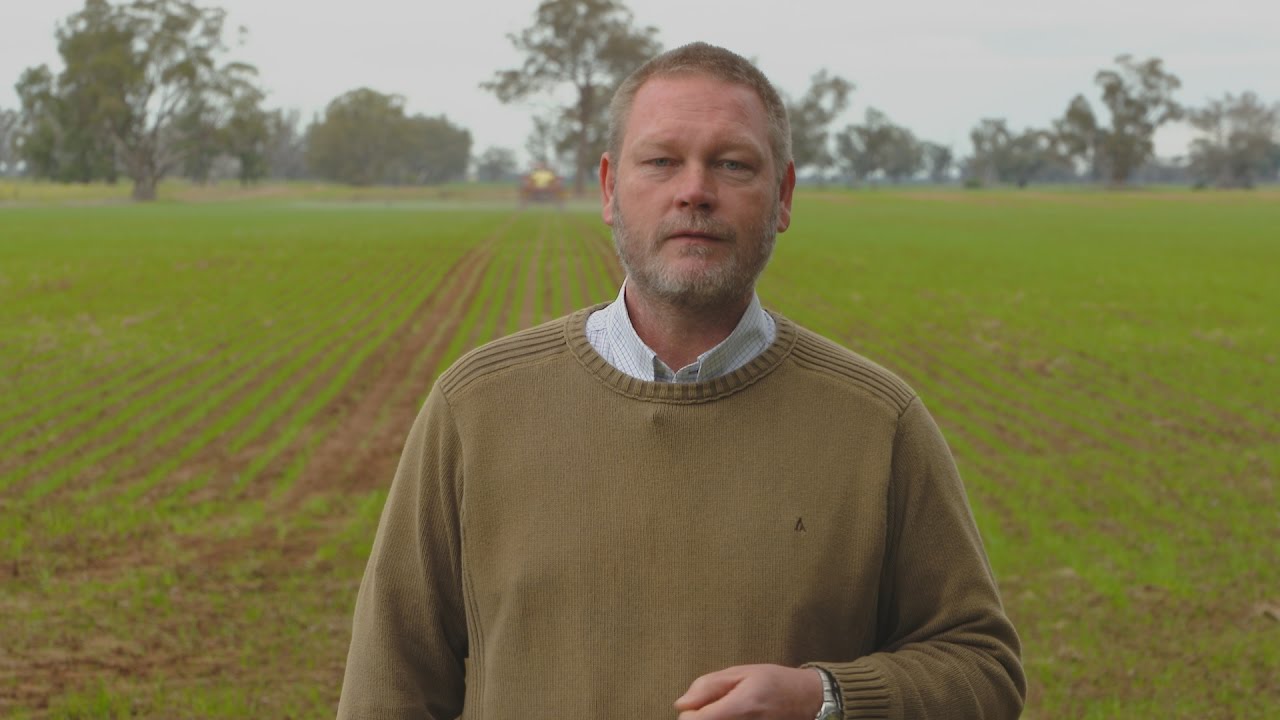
753,692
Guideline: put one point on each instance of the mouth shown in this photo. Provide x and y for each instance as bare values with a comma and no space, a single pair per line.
694,235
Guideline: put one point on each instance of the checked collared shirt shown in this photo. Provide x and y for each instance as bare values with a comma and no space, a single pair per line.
610,332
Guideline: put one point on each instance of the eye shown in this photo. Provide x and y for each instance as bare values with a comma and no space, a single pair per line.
661,162
734,165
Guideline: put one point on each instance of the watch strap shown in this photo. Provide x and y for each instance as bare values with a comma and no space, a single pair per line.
831,706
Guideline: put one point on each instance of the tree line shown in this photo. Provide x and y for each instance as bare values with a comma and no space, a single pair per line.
147,90
589,46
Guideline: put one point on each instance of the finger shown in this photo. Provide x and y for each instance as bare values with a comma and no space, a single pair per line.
708,688
726,707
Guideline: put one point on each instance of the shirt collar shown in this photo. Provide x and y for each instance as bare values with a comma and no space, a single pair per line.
628,353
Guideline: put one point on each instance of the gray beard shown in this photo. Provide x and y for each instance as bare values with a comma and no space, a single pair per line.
725,284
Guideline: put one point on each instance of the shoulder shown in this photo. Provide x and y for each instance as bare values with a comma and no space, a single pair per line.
848,370
531,347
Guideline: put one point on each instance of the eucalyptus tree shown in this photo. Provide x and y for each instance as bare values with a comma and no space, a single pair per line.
588,46
1079,137
8,146
1002,155
133,74
286,148
878,145
938,160
1139,97
358,141
1239,142
812,115
365,138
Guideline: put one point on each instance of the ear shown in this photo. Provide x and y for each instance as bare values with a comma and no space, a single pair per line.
608,176
785,192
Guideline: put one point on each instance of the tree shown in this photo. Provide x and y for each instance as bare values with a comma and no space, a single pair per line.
9,124
540,143
246,135
39,123
1030,156
1000,155
495,164
436,150
90,45
1078,136
991,139
60,136
286,148
198,138
1139,96
878,145
588,45
133,74
553,141
938,160
858,146
1239,144
827,97
235,127
357,142
366,138
903,155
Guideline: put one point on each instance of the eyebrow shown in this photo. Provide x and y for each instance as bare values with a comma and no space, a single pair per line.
735,144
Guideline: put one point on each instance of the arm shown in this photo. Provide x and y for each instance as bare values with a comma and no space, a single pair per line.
947,648
409,636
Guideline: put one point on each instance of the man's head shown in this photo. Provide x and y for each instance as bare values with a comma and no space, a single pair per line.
715,62
697,181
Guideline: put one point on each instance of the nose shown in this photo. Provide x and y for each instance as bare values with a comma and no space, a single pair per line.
696,189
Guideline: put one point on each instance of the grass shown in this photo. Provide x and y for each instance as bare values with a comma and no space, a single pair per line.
204,402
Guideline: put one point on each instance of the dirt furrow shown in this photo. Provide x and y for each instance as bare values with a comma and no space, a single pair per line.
245,377
1208,417
352,459
508,307
572,290
490,305
227,465
434,326
529,312
155,383
91,392
594,282
583,280
602,244
550,275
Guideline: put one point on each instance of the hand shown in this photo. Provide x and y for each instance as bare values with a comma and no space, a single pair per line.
743,692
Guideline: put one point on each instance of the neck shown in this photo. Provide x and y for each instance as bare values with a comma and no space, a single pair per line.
678,334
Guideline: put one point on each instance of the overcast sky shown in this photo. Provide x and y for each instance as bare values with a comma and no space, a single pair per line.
936,66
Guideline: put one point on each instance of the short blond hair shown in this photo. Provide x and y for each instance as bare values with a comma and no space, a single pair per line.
700,58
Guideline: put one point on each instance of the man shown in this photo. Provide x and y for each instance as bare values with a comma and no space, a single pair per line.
680,504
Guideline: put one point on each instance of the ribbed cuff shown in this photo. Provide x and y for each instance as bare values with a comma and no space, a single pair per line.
864,691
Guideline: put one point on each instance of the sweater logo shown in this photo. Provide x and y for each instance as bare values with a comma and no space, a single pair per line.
800,525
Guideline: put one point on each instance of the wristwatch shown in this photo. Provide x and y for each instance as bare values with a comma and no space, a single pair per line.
830,709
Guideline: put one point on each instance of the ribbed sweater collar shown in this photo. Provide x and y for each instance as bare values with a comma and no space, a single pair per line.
679,393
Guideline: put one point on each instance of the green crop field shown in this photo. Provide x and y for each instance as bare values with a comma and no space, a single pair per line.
202,404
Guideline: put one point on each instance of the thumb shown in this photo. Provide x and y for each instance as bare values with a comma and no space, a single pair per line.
707,689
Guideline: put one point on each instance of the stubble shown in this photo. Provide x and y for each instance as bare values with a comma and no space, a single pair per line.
723,283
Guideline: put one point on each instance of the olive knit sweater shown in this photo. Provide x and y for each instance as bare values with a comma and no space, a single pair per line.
562,541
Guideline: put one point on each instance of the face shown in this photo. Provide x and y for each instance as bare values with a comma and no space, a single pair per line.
693,196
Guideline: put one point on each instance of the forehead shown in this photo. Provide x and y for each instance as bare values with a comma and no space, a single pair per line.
680,104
